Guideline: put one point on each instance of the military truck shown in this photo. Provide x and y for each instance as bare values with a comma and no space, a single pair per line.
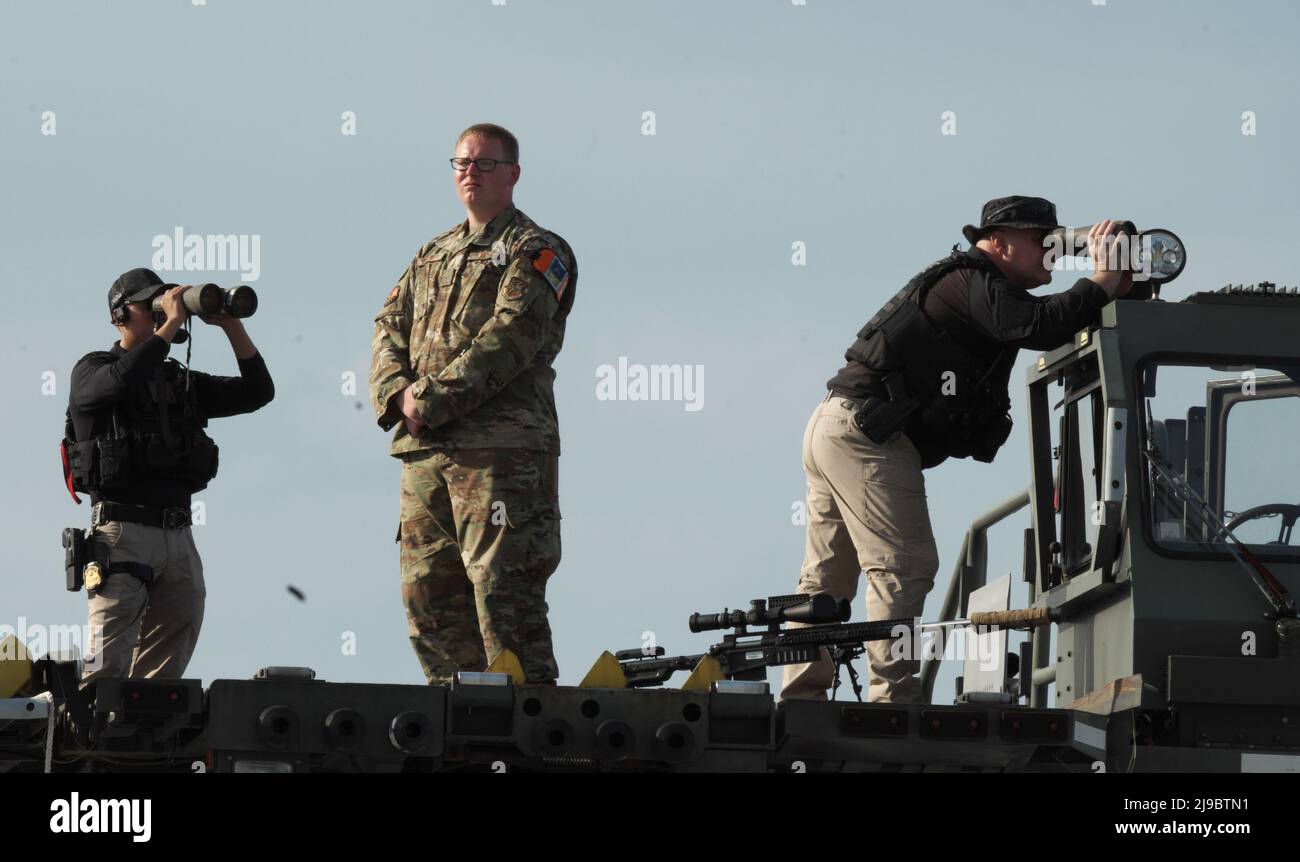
1162,493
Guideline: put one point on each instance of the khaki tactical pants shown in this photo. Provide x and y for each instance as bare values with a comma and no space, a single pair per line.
866,512
139,629
480,536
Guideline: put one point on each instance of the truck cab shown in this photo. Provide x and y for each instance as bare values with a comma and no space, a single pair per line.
1148,435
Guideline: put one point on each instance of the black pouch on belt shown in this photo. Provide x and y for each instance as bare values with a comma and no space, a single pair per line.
994,432
76,553
882,420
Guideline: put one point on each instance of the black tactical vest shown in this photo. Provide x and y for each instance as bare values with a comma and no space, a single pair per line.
963,399
156,434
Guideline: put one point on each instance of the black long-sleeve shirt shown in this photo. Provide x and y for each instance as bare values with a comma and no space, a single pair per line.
986,314
102,379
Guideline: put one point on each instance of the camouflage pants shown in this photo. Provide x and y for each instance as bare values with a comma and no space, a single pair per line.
480,536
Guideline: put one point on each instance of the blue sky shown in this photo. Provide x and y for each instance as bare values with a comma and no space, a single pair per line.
774,124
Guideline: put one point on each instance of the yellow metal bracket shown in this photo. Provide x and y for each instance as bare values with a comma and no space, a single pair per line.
508,663
605,673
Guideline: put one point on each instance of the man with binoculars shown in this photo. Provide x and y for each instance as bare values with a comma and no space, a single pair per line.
925,380
134,441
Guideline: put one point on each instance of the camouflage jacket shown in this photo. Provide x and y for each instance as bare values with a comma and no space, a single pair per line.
473,326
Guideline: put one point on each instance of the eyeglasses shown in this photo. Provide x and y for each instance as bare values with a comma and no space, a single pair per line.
487,166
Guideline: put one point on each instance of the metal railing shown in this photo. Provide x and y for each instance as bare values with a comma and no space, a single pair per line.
969,575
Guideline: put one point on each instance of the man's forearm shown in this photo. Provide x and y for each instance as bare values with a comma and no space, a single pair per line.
167,332
1016,320
503,348
390,368
240,342
394,413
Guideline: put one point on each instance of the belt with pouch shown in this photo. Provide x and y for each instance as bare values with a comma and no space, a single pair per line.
881,420
171,518
850,402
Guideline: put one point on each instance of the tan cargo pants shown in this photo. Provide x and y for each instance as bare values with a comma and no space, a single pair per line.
142,630
866,512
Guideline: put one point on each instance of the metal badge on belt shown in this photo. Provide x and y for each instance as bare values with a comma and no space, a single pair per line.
92,577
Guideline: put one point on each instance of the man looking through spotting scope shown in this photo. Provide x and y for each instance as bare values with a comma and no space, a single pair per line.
135,442
461,365
926,379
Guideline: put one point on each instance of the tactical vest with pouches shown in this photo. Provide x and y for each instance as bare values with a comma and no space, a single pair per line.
156,434
957,395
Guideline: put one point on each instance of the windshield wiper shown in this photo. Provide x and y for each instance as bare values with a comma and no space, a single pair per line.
1277,595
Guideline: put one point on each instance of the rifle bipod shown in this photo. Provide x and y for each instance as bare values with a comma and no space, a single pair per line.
843,657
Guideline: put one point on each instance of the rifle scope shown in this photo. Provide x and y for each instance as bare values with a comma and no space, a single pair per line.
814,609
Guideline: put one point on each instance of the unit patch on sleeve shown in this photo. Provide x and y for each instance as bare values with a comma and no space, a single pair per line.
548,263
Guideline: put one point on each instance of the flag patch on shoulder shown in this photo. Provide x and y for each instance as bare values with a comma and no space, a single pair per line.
548,263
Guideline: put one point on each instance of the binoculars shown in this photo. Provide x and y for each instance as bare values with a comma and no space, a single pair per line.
1156,255
1074,240
238,301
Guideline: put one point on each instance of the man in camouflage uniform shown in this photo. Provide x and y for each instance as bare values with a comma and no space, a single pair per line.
461,364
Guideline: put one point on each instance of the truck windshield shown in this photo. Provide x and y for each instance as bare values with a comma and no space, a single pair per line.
1220,443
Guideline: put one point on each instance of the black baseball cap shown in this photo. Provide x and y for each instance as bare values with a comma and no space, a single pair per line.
1016,211
137,285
